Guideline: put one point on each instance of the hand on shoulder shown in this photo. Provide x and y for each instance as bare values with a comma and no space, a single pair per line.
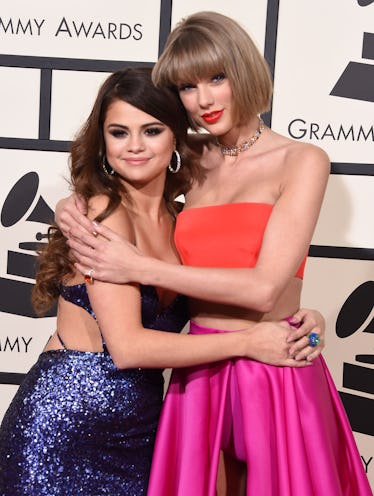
118,220
71,213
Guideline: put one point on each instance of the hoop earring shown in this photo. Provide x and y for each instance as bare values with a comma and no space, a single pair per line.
178,165
106,167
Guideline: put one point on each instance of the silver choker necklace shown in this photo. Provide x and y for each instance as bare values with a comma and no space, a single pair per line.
233,151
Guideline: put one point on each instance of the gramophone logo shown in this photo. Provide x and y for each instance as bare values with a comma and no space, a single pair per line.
15,294
357,80
357,315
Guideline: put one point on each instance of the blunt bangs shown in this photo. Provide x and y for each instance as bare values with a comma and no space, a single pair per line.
188,60
208,43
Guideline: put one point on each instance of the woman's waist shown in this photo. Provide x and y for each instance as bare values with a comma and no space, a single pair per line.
215,324
200,310
234,318
223,326
230,317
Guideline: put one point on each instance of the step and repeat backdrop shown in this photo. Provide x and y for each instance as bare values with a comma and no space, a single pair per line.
53,59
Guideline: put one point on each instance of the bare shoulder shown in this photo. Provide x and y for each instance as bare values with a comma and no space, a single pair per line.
118,220
306,172
308,152
96,205
305,158
300,165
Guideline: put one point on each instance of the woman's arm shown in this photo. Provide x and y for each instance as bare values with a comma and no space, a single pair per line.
131,345
285,243
266,340
118,312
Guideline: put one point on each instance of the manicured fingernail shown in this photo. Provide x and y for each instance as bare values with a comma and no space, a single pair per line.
95,226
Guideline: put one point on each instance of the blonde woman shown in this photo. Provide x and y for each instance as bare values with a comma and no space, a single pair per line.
243,237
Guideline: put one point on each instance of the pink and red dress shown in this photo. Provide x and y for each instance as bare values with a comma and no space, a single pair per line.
287,424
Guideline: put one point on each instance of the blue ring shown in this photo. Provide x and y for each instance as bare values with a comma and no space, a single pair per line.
314,339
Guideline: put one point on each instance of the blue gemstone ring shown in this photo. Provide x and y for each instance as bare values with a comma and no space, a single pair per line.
314,339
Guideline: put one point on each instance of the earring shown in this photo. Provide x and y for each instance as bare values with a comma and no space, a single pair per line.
106,167
179,163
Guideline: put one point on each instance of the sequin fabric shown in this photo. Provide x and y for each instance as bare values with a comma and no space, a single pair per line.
78,425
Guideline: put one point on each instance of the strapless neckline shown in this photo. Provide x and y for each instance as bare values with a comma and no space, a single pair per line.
227,235
229,205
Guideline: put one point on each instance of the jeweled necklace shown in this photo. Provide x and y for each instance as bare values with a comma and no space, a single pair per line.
233,151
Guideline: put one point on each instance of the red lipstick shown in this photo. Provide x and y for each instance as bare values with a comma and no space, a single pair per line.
212,117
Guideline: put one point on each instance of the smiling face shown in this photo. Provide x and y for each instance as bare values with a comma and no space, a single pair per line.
207,43
209,103
138,146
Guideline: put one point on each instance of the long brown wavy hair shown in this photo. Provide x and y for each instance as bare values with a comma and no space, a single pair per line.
134,86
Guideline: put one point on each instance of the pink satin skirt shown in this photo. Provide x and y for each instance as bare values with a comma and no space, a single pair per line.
287,424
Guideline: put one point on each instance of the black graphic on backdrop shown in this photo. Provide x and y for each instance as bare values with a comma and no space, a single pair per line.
46,66
354,316
357,80
15,295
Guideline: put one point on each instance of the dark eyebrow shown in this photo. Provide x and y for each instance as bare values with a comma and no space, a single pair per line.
148,124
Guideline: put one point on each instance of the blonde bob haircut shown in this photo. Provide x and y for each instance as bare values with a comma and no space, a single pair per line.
206,44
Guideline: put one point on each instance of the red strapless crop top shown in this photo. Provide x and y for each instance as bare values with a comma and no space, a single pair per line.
228,235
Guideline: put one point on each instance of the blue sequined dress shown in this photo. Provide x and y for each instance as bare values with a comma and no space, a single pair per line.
78,425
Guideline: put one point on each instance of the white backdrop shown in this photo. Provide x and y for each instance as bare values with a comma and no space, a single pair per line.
53,58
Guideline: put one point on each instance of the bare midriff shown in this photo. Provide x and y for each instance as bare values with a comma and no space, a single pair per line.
230,235
230,317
